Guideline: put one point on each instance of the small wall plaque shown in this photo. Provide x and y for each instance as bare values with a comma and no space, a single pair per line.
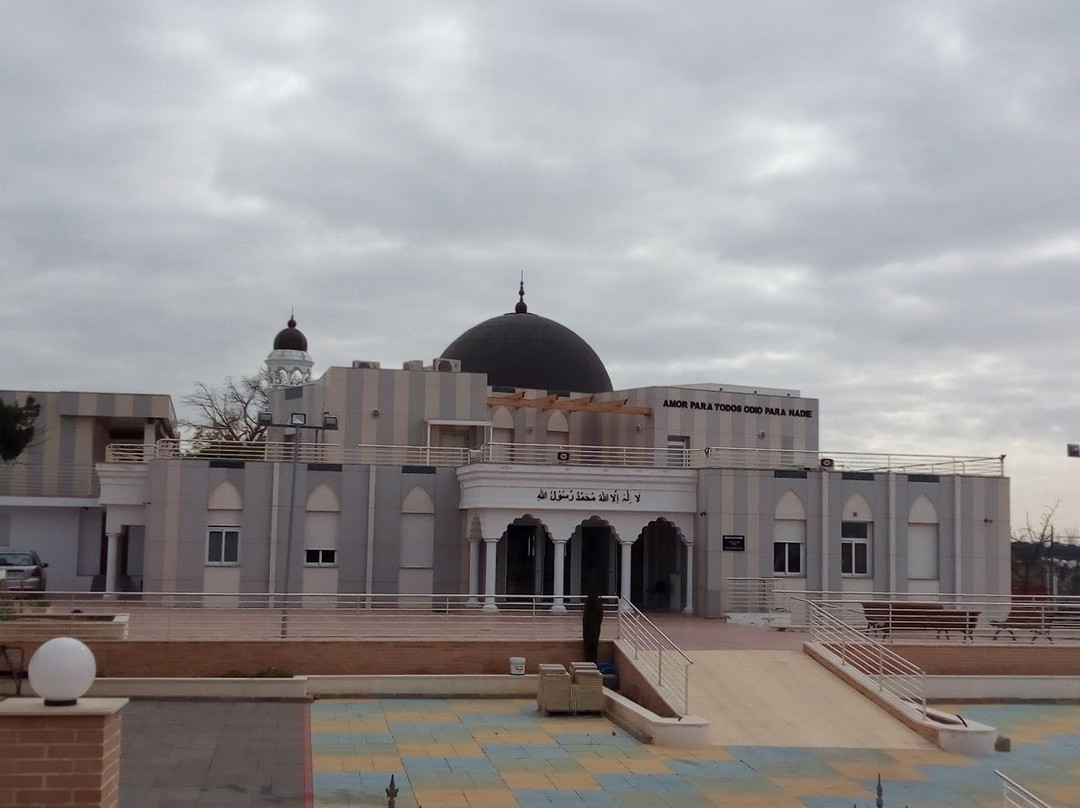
735,544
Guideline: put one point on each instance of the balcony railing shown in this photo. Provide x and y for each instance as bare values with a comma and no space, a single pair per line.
555,455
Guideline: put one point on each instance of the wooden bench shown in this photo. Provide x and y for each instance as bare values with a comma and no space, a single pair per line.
887,616
1041,619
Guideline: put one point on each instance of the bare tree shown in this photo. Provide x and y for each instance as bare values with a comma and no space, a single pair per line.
229,412
17,427
1043,560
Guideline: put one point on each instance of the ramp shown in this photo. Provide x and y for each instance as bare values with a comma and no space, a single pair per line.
784,698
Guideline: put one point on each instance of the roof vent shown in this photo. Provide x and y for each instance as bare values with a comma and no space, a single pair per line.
413,364
366,363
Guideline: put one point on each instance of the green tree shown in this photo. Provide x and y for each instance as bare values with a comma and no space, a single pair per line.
17,427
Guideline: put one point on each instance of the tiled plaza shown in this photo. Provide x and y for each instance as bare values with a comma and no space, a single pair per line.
504,754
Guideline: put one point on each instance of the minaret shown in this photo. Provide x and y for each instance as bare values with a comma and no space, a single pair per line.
289,363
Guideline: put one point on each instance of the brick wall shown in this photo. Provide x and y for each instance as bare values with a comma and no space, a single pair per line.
296,657
63,760
993,659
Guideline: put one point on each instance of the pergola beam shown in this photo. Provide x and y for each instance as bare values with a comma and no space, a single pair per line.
620,406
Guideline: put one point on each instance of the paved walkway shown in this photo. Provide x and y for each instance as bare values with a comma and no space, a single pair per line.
213,754
785,698
503,754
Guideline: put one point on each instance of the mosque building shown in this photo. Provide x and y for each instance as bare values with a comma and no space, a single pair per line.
505,467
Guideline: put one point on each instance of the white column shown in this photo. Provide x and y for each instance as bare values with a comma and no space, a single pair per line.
689,607
474,571
624,584
489,574
111,552
560,572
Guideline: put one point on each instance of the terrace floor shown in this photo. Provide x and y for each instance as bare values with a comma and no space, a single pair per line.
495,753
491,753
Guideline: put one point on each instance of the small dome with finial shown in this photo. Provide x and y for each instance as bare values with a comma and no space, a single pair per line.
291,338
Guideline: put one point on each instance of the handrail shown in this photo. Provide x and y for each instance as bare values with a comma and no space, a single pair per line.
894,676
649,644
1014,795
562,455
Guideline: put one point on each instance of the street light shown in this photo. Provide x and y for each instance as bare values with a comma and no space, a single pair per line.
298,421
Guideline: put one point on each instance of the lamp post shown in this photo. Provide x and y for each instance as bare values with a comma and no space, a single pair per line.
298,422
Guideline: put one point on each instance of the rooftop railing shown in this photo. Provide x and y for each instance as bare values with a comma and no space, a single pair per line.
556,455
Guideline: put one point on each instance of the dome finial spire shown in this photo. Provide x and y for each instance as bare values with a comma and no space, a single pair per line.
521,308
292,317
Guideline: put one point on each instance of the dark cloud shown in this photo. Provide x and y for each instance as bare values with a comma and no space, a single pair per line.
873,204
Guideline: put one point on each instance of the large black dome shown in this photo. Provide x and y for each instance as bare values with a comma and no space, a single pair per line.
290,338
526,350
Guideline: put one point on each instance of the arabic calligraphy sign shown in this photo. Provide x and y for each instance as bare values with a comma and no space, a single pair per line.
613,495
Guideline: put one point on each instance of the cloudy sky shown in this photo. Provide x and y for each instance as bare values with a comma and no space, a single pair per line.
875,203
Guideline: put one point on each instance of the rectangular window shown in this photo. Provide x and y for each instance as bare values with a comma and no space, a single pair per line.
789,540
223,545
320,558
855,548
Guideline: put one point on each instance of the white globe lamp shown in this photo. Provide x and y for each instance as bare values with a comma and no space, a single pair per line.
61,671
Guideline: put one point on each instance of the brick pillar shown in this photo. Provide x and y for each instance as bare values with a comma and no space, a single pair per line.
60,756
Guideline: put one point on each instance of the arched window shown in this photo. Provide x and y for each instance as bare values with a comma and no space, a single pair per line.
789,536
923,540
857,538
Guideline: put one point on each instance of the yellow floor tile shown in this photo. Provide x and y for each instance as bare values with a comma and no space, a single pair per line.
646,766
439,798
491,798
523,780
821,787
858,770
755,801
573,781
598,765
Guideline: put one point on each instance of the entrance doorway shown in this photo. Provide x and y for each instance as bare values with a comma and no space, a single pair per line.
528,559
594,558
657,564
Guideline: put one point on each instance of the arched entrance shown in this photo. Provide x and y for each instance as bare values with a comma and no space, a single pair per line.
527,558
594,558
658,568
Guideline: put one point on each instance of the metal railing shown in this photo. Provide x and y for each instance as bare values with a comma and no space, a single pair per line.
231,617
894,676
577,455
659,658
915,616
1014,795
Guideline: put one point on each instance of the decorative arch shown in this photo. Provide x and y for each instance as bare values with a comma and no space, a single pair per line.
502,419
923,512
323,499
418,500
790,506
225,498
557,422
857,509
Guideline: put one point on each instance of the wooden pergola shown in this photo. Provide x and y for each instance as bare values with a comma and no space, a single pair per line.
617,406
